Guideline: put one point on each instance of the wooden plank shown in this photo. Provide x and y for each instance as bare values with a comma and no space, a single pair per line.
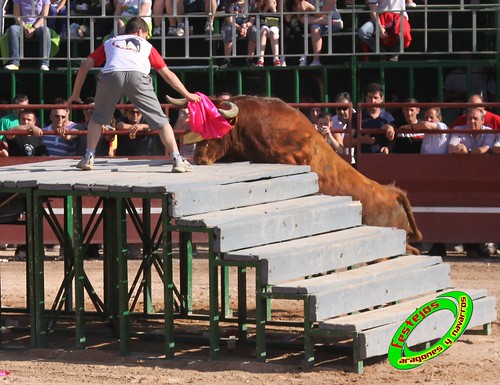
278,221
298,258
387,315
357,276
188,201
376,292
375,342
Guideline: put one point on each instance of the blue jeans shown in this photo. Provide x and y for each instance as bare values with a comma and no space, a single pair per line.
58,24
42,34
367,34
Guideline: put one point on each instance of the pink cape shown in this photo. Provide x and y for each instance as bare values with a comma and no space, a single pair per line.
206,120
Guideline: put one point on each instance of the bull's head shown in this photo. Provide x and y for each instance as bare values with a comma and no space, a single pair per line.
209,151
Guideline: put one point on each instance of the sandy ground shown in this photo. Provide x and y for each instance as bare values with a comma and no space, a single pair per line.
472,360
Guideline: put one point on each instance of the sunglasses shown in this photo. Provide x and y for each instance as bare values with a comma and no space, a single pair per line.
342,108
134,112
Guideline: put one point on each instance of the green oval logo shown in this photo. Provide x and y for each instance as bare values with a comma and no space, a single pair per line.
458,302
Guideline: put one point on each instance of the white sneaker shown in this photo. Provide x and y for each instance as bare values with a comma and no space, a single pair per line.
209,27
157,31
181,165
303,61
171,31
44,67
179,31
86,163
12,67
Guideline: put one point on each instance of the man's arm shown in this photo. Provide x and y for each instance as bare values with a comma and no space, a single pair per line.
87,65
172,79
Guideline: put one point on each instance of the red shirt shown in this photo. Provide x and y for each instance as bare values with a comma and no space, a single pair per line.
490,119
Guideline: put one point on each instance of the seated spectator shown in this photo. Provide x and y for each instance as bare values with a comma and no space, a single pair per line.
175,24
269,28
127,9
62,143
58,23
26,145
242,23
324,127
407,143
11,120
389,18
30,21
376,118
472,143
433,143
490,119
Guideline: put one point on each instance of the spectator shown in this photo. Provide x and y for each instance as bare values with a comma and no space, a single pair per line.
324,127
127,9
407,143
345,119
58,22
376,118
30,21
490,119
239,21
269,28
319,25
26,145
389,16
133,145
433,143
12,119
210,9
62,143
176,26
105,142
475,143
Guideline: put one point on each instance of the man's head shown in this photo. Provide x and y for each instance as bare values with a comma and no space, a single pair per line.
411,113
27,117
475,119
137,26
433,114
133,115
476,98
20,99
374,93
58,117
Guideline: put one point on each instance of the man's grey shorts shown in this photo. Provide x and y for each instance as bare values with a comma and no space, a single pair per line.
112,86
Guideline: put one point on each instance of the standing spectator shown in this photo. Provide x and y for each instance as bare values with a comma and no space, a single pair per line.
490,119
407,143
242,23
476,143
133,144
269,28
376,118
176,26
324,126
30,21
389,16
62,143
12,119
433,143
127,9
58,22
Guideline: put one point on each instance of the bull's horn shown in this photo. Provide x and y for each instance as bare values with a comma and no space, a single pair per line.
180,102
230,113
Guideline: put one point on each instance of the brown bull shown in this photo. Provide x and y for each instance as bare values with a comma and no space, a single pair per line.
268,130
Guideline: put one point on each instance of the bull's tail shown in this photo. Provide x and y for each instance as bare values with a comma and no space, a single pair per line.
403,201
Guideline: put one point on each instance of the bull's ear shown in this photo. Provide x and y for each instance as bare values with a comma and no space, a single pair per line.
180,102
191,137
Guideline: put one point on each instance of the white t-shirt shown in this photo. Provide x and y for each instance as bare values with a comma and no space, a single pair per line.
436,143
